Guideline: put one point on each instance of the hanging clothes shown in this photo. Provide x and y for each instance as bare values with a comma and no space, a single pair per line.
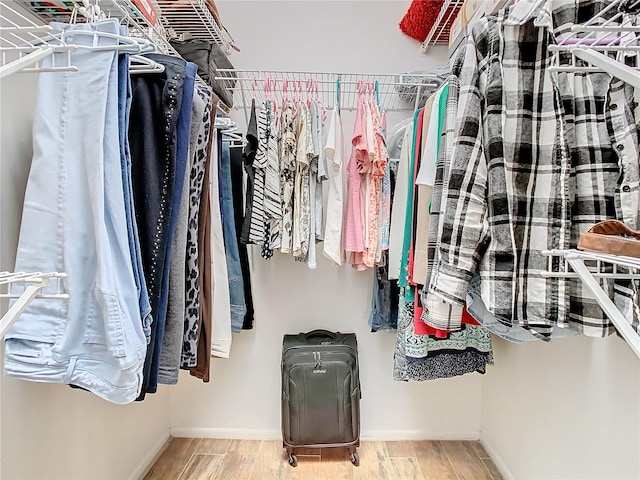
248,157
257,224
549,153
398,210
334,239
234,270
239,212
77,223
205,243
354,225
154,155
221,317
182,171
288,168
272,202
179,281
301,196
192,323
317,174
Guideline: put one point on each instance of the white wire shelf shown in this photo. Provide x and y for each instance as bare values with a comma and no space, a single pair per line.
601,44
395,92
24,45
25,287
194,19
139,26
591,268
439,32
176,18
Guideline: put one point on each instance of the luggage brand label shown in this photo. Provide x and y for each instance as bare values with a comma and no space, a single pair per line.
318,370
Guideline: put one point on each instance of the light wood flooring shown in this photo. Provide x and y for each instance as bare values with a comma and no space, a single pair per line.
206,458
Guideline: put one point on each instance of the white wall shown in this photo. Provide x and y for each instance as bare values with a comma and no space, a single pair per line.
51,431
243,398
569,409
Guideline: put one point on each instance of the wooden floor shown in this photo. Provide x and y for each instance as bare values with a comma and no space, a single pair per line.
196,458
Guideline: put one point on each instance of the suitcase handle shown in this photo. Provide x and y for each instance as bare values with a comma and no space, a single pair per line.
320,333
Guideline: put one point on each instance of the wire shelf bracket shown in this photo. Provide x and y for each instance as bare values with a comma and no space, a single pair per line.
32,285
439,32
605,267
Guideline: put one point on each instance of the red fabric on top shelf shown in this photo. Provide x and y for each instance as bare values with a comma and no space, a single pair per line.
420,18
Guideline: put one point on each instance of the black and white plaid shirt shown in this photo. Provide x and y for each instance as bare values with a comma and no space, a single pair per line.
538,158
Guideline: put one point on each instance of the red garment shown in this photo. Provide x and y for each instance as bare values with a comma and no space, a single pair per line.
420,18
422,328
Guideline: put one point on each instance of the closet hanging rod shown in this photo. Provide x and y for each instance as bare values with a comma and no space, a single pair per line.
327,82
244,73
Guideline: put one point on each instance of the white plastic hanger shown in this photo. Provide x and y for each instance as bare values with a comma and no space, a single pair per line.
93,13
139,64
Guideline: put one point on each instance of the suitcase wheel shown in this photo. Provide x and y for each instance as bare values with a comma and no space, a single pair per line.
293,460
355,458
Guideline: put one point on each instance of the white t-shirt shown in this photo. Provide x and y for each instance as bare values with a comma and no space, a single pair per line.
429,159
333,247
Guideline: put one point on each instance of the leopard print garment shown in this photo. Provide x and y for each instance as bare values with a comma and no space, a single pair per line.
192,273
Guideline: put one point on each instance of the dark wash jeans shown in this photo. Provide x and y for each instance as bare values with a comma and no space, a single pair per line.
155,108
182,160
124,108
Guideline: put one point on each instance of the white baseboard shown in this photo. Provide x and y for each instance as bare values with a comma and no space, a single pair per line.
497,460
234,433
389,435
267,434
148,460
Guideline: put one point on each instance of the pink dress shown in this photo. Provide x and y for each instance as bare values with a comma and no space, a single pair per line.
354,227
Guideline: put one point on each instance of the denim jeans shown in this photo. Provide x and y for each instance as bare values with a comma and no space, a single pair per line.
238,212
384,302
124,109
183,135
155,108
74,220
514,333
234,269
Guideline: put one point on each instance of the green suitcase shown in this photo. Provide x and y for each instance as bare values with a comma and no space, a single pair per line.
320,392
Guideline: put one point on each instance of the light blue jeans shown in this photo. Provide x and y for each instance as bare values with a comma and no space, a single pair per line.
514,333
74,221
234,269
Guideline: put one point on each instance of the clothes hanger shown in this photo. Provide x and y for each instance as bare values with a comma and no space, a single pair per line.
274,95
140,64
361,90
125,44
316,98
92,12
309,88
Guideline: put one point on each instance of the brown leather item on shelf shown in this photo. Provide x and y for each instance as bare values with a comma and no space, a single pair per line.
611,236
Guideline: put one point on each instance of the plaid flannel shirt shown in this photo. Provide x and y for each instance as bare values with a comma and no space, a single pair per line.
538,158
